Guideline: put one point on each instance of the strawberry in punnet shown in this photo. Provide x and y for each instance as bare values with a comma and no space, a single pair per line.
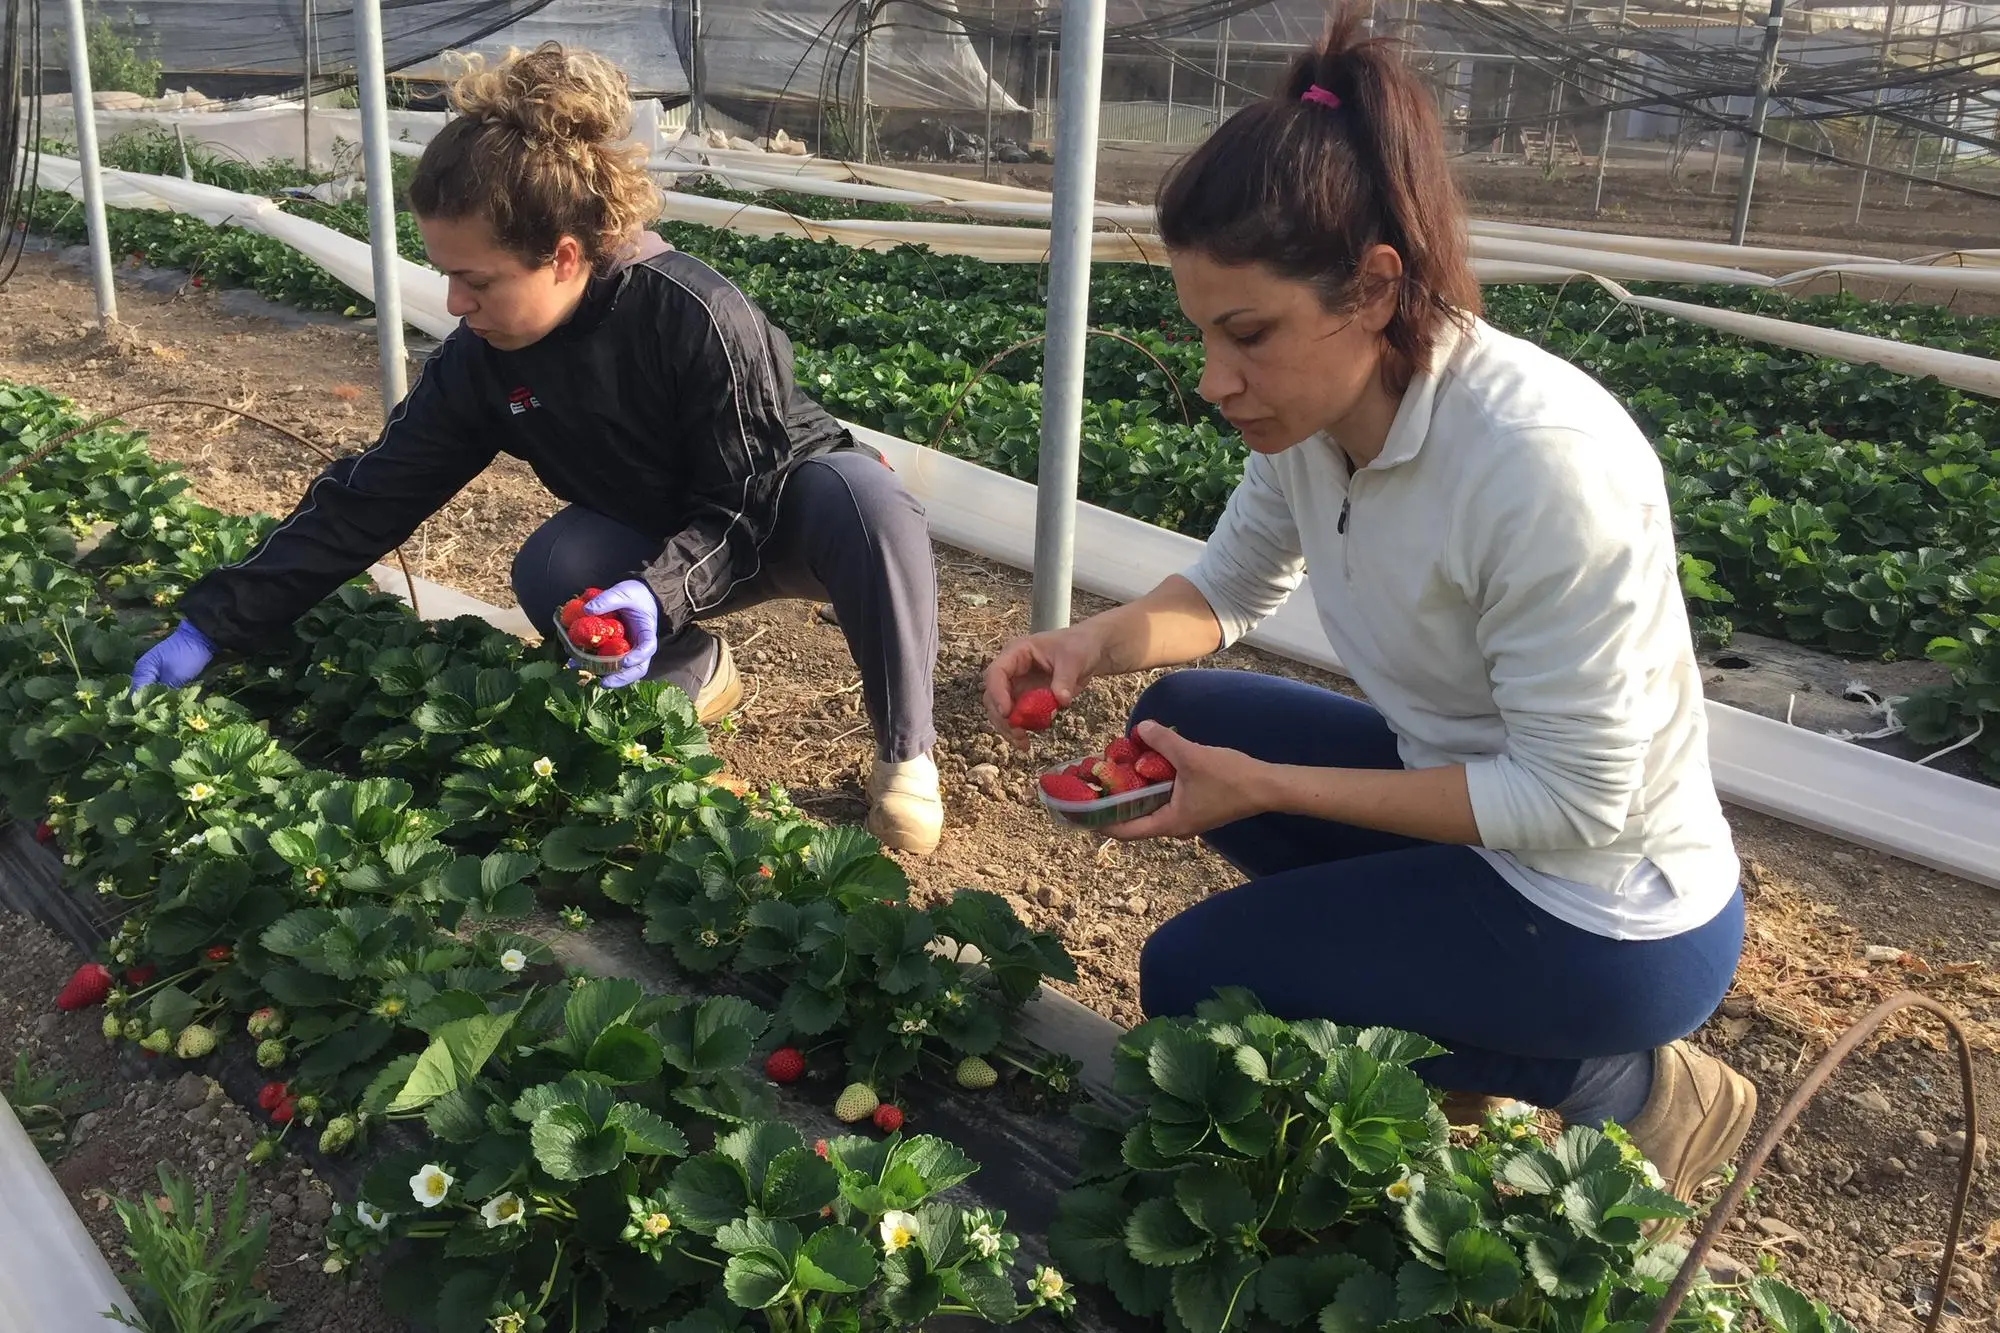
1034,711
1067,786
588,632
1116,779
617,645
857,1101
888,1117
1153,767
1122,751
87,986
270,1095
784,1065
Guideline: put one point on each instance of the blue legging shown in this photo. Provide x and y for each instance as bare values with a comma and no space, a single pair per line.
1371,928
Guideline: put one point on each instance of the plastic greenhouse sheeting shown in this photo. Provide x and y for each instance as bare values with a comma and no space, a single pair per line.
52,1278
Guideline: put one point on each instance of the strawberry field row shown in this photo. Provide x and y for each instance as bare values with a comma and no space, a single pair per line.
587,1148
323,847
1828,503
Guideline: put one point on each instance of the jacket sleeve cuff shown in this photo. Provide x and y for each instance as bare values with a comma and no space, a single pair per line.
1235,619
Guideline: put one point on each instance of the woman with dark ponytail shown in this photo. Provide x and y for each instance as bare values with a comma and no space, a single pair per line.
1515,846
650,395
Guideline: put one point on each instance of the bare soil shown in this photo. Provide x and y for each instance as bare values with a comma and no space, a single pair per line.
1854,1207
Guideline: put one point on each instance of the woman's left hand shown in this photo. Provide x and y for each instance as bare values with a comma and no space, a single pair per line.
1212,787
640,610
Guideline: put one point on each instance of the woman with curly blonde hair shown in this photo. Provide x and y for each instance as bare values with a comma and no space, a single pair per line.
646,391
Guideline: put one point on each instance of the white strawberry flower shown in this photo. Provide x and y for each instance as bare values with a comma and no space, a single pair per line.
503,1210
370,1216
1047,1284
634,752
199,792
899,1229
159,522
985,1240
545,767
513,960
431,1185
196,722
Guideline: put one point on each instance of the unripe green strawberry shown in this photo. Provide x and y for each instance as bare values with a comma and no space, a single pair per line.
159,1041
976,1074
134,1030
113,1027
267,1022
270,1054
262,1151
195,1041
857,1101
339,1132
307,1107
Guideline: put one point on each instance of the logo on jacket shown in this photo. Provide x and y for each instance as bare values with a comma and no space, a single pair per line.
521,400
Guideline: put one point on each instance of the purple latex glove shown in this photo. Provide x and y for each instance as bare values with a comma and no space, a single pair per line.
174,660
641,613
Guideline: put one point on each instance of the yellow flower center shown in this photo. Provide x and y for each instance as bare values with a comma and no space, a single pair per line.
657,1224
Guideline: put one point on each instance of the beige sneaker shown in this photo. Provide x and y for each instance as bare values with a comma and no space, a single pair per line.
1696,1118
1469,1109
905,809
724,690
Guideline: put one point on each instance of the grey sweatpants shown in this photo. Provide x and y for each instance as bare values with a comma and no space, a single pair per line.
847,533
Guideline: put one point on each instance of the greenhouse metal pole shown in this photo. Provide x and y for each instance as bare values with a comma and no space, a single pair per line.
1874,122
864,18
697,94
1767,74
306,99
1604,147
381,199
1556,93
1070,225
84,106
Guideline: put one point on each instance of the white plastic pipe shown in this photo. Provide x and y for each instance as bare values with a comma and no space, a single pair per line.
52,1278
374,94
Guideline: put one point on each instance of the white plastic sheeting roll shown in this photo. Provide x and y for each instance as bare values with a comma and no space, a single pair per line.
52,1278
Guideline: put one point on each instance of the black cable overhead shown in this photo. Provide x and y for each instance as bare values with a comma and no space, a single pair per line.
20,126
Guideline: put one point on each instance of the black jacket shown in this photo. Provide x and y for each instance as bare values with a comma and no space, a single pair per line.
666,402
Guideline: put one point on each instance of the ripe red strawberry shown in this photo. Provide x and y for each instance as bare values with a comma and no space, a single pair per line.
1080,771
1117,779
216,953
1153,767
282,1113
1034,711
590,631
819,1147
140,975
1067,787
270,1095
592,594
87,986
888,1117
1138,742
1122,751
616,645
43,833
570,611
784,1065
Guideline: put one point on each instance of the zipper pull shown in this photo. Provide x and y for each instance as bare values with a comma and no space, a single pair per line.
1346,503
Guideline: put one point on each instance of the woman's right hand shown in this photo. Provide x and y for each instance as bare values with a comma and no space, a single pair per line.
1063,661
175,660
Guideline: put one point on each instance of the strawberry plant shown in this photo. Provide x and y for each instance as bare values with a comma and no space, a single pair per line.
1285,1175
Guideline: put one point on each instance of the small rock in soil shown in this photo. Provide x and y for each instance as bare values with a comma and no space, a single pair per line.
1954,1144
1838,1172
1886,1268
1881,953
46,1025
190,1091
283,1205
1778,1232
85,1123
1738,1006
993,871
1048,895
1789,1160
1136,905
1893,1166
1851,1228
1926,1139
315,1206
200,1115
1872,1101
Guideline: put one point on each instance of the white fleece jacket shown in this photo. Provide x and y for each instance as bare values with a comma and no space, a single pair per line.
1502,583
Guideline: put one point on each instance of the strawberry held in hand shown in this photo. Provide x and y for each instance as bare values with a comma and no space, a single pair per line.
1035,710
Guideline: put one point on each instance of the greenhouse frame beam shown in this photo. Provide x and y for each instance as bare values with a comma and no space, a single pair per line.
373,91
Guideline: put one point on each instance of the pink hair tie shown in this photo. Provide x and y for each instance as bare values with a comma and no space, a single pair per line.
1322,96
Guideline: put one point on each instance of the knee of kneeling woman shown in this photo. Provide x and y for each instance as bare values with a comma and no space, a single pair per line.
1170,982
1170,700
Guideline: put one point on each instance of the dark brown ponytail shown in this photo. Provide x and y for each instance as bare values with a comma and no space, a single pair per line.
1306,189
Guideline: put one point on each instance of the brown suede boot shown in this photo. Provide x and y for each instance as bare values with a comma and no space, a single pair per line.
1695,1118
718,697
